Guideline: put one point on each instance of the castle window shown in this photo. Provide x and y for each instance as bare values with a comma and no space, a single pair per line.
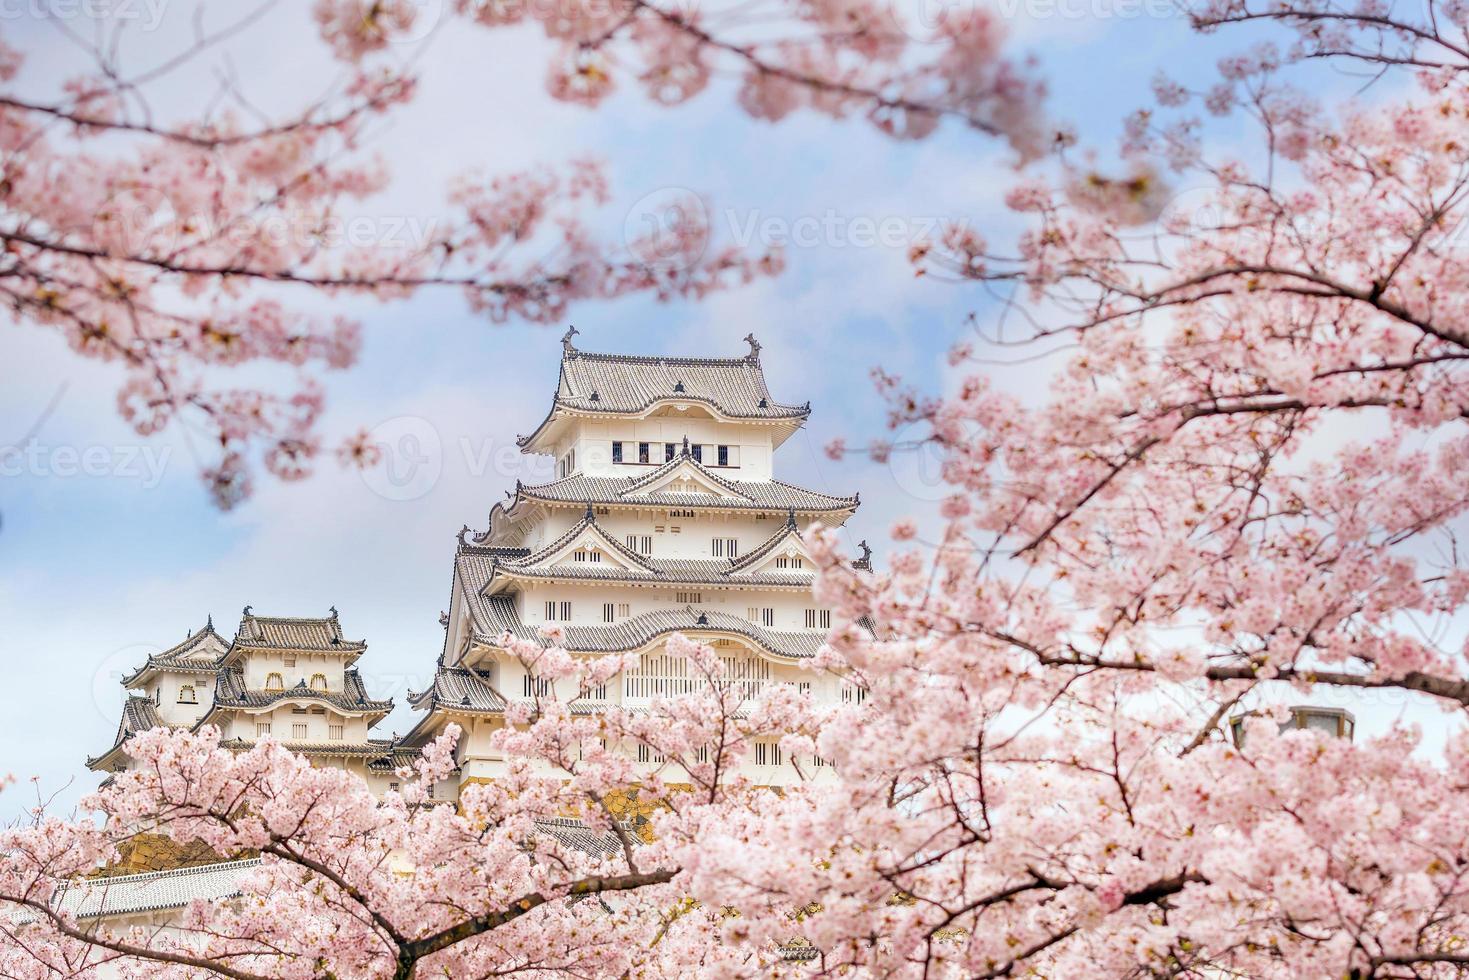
728,455
584,554
764,615
784,562
647,753
608,612
318,682
617,452
818,619
624,610
558,611
767,754
669,451
698,452
262,728
536,687
186,695
726,548
687,597
298,731
643,452
642,544
275,682
334,732
288,662
853,693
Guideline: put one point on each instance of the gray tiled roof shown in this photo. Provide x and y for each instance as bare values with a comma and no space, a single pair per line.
373,748
786,532
200,653
291,633
230,692
578,836
91,898
625,384
767,495
458,688
670,571
138,715
636,631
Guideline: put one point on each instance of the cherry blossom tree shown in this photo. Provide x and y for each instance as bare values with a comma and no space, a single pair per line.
1243,488
902,71
352,886
186,247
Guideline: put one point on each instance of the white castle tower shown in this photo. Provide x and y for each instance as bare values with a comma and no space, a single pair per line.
665,517
290,678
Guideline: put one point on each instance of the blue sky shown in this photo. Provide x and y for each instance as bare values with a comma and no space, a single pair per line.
97,571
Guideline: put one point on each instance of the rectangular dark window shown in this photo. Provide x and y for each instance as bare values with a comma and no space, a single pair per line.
669,450
698,453
617,452
723,455
607,615
643,452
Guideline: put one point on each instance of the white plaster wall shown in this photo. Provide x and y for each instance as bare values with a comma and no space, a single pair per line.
166,688
593,444
260,665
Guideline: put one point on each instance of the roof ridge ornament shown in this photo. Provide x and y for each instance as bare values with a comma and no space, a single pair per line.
463,533
791,519
209,623
591,514
566,345
686,450
754,354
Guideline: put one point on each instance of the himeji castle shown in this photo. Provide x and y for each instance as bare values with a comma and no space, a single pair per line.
665,517
290,679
